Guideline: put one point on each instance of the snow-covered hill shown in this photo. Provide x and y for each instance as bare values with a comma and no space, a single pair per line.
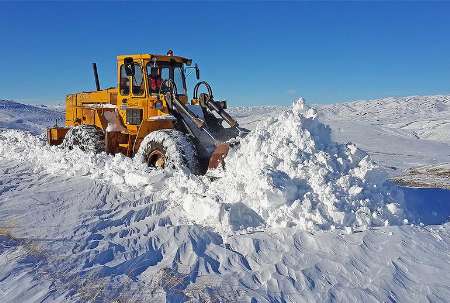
31,118
295,217
424,117
399,133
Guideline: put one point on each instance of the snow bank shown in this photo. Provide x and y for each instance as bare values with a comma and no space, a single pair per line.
288,172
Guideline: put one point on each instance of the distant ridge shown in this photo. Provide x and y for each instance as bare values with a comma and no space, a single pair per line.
32,118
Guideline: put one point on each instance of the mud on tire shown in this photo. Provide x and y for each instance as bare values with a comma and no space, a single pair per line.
177,150
87,137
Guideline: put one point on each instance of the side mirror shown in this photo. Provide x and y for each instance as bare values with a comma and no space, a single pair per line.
129,66
197,72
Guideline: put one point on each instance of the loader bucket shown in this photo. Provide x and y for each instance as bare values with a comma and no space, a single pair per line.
218,155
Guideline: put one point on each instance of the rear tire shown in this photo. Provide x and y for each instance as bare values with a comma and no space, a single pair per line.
88,138
169,149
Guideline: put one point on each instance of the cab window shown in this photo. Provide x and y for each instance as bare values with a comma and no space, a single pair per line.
124,82
157,74
165,73
138,80
179,80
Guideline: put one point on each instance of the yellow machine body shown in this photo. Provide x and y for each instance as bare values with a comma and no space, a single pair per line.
149,107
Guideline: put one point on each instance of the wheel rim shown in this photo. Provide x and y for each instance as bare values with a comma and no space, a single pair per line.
157,159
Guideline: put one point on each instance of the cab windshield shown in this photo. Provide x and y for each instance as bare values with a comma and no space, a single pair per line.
161,71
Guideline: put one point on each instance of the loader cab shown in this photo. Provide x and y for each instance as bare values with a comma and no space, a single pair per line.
143,75
141,89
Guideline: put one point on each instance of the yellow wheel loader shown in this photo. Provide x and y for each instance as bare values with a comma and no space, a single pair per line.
149,114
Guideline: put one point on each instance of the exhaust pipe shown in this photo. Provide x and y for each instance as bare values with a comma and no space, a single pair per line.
97,82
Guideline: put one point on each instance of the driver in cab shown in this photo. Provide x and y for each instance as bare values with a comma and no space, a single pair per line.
155,80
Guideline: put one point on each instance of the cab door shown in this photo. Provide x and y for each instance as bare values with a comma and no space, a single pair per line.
132,93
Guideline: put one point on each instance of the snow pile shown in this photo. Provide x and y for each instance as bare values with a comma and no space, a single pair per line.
288,172
119,170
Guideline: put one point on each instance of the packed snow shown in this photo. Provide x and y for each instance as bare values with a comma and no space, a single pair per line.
294,217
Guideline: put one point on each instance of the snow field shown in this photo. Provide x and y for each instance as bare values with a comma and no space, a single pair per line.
109,228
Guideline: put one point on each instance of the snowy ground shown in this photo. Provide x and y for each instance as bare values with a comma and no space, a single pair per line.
95,228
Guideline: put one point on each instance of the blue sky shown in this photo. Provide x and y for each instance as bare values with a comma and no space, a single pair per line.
252,52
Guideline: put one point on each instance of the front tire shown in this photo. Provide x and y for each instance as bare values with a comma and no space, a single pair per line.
169,149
